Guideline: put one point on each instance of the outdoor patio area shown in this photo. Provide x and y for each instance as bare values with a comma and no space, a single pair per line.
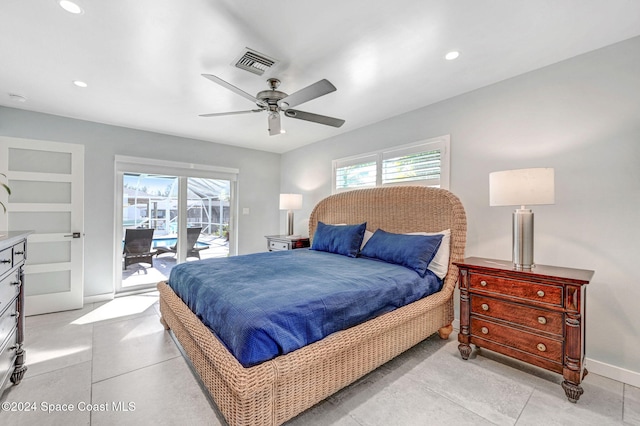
142,273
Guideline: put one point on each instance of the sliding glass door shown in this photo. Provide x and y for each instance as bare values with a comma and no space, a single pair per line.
170,218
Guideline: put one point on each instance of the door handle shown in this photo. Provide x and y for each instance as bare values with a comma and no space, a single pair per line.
74,235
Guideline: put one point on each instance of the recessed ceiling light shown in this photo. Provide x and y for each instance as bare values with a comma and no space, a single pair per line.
70,7
452,55
17,98
80,83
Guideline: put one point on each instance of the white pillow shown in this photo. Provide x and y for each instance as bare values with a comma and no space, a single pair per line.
440,263
367,235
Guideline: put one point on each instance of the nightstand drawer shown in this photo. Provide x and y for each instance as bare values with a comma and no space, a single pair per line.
536,292
8,321
527,342
277,245
286,242
539,319
6,260
9,289
19,251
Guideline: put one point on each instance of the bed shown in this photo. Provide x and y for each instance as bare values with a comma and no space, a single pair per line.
274,391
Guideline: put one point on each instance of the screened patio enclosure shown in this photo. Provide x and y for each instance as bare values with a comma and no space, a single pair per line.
151,201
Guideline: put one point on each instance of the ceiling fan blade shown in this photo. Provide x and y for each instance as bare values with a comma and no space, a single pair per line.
313,91
316,118
215,114
275,127
234,89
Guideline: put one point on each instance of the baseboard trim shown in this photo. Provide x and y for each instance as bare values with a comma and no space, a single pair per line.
598,367
612,372
98,298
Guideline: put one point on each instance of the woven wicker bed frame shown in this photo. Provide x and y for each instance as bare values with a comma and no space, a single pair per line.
277,390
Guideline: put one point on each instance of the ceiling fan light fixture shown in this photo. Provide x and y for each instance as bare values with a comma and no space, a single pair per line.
71,7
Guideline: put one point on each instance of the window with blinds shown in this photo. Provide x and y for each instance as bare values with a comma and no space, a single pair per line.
423,163
360,175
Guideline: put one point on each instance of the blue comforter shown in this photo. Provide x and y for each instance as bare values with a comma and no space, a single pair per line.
267,304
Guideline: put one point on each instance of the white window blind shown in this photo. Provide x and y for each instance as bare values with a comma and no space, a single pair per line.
358,172
422,163
407,167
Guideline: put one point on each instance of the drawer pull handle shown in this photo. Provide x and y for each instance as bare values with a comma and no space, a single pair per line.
540,293
15,283
5,261
17,314
541,347
542,320
484,330
484,307
483,283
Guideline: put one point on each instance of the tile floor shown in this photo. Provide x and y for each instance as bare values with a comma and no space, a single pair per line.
114,364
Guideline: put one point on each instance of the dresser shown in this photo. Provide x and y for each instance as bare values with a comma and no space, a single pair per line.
284,242
536,316
13,253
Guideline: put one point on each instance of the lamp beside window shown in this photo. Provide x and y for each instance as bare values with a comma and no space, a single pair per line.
290,202
522,187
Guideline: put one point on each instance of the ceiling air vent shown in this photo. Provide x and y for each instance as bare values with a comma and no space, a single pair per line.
254,62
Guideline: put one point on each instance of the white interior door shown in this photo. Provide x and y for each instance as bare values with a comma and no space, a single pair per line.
47,198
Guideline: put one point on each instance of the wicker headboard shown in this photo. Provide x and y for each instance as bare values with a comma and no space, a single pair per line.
400,209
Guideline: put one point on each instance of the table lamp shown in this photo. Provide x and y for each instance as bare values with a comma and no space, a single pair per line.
522,187
290,202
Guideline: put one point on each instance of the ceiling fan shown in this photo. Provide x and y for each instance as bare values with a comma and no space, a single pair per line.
276,103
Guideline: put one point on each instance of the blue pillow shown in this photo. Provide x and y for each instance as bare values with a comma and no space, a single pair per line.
412,251
339,239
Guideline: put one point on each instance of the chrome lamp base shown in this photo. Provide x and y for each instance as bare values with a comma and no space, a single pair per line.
522,239
289,222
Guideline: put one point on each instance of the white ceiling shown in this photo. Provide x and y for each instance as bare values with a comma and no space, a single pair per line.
142,59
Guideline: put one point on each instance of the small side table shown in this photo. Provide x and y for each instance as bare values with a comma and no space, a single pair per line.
536,316
284,242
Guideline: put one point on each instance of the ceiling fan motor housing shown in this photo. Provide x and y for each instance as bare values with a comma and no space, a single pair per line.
271,97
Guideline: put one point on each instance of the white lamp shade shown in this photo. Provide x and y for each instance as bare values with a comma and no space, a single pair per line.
522,187
290,201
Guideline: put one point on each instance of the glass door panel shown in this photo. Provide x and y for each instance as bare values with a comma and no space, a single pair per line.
208,209
150,202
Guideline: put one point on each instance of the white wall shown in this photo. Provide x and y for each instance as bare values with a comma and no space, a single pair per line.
581,117
258,184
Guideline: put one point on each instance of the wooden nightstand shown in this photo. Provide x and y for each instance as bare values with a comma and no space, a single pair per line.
283,242
536,316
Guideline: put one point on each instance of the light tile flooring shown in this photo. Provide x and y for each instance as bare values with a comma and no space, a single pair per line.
113,364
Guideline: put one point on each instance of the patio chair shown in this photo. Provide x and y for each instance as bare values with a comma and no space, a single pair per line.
137,247
192,239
